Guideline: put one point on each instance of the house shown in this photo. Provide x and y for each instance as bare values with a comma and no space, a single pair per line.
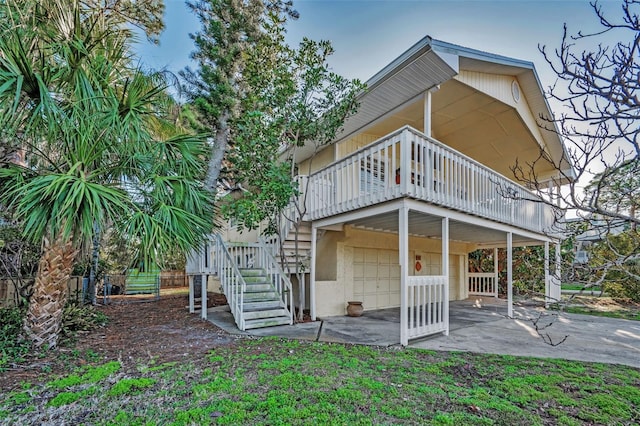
417,179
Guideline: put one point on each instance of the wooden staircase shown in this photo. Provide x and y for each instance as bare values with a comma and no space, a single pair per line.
263,306
288,259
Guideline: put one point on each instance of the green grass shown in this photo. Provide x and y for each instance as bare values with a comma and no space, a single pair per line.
273,381
579,287
621,313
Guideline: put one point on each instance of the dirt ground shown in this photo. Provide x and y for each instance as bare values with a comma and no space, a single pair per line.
137,331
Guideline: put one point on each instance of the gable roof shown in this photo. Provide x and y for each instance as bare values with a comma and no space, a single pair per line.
429,63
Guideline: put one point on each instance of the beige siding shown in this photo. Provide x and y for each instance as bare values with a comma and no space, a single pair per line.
321,160
363,265
499,87
350,145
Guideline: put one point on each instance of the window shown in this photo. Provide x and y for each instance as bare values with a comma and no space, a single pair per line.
371,175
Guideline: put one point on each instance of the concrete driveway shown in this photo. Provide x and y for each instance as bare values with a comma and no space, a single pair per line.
477,325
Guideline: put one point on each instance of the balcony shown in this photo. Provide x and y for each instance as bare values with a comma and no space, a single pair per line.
407,163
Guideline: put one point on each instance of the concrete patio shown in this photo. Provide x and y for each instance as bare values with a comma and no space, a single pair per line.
476,325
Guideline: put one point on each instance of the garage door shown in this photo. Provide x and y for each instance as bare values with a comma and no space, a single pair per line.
376,278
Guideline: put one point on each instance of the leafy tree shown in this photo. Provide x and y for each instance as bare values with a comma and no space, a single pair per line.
18,260
100,141
597,83
304,104
614,265
230,31
264,100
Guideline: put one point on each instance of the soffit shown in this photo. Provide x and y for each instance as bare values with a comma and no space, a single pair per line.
423,225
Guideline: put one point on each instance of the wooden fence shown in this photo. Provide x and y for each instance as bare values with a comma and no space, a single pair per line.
8,295
173,279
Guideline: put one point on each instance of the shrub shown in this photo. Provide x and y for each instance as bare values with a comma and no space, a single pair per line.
13,347
81,318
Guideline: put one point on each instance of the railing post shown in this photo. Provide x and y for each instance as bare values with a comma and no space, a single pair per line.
495,272
405,162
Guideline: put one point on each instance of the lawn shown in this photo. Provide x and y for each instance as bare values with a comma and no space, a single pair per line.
275,381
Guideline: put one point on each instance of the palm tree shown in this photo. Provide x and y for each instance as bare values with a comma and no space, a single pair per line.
102,147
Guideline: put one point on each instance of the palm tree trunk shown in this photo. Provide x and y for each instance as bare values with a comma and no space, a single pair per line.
43,322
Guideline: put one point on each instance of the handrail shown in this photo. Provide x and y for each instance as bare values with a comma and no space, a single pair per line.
406,163
232,281
278,278
431,140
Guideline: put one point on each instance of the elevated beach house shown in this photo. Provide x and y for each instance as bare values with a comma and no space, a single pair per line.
419,178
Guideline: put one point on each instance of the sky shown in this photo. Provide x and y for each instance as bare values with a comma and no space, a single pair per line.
368,34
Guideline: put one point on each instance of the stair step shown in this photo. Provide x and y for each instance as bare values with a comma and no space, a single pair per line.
251,272
261,295
266,322
262,305
265,314
257,279
257,287
291,245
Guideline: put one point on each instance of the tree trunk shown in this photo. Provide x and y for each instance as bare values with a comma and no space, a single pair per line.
43,322
219,148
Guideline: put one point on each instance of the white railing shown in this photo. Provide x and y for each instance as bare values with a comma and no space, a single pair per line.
407,163
232,282
226,260
203,260
483,284
279,279
428,305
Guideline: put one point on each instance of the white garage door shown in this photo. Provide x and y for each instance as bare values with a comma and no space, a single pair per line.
376,278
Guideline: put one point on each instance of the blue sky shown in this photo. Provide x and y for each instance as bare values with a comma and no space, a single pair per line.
368,34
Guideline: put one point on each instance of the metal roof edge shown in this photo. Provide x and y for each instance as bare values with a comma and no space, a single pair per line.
467,52
422,46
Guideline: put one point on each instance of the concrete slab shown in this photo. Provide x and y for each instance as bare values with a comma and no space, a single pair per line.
588,338
364,330
476,325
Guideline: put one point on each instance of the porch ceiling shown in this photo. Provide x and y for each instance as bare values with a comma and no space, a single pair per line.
424,225
474,123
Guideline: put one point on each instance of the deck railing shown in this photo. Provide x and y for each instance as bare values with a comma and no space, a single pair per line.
483,284
226,261
231,280
407,163
427,305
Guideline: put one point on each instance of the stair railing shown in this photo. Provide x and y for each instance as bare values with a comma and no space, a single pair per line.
278,277
232,282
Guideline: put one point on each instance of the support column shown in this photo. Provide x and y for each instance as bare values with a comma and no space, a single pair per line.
547,287
496,276
509,274
403,242
192,308
557,282
312,273
445,271
427,113
203,300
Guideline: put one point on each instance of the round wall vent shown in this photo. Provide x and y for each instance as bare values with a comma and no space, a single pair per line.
515,91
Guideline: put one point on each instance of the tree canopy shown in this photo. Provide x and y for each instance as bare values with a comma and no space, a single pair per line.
100,143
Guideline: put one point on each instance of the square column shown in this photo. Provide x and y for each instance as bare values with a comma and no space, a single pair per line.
203,300
509,274
403,242
192,308
496,277
547,283
312,273
445,271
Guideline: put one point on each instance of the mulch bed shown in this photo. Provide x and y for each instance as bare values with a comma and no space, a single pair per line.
151,331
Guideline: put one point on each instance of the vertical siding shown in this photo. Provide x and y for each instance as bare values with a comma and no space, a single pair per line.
352,144
321,160
499,87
